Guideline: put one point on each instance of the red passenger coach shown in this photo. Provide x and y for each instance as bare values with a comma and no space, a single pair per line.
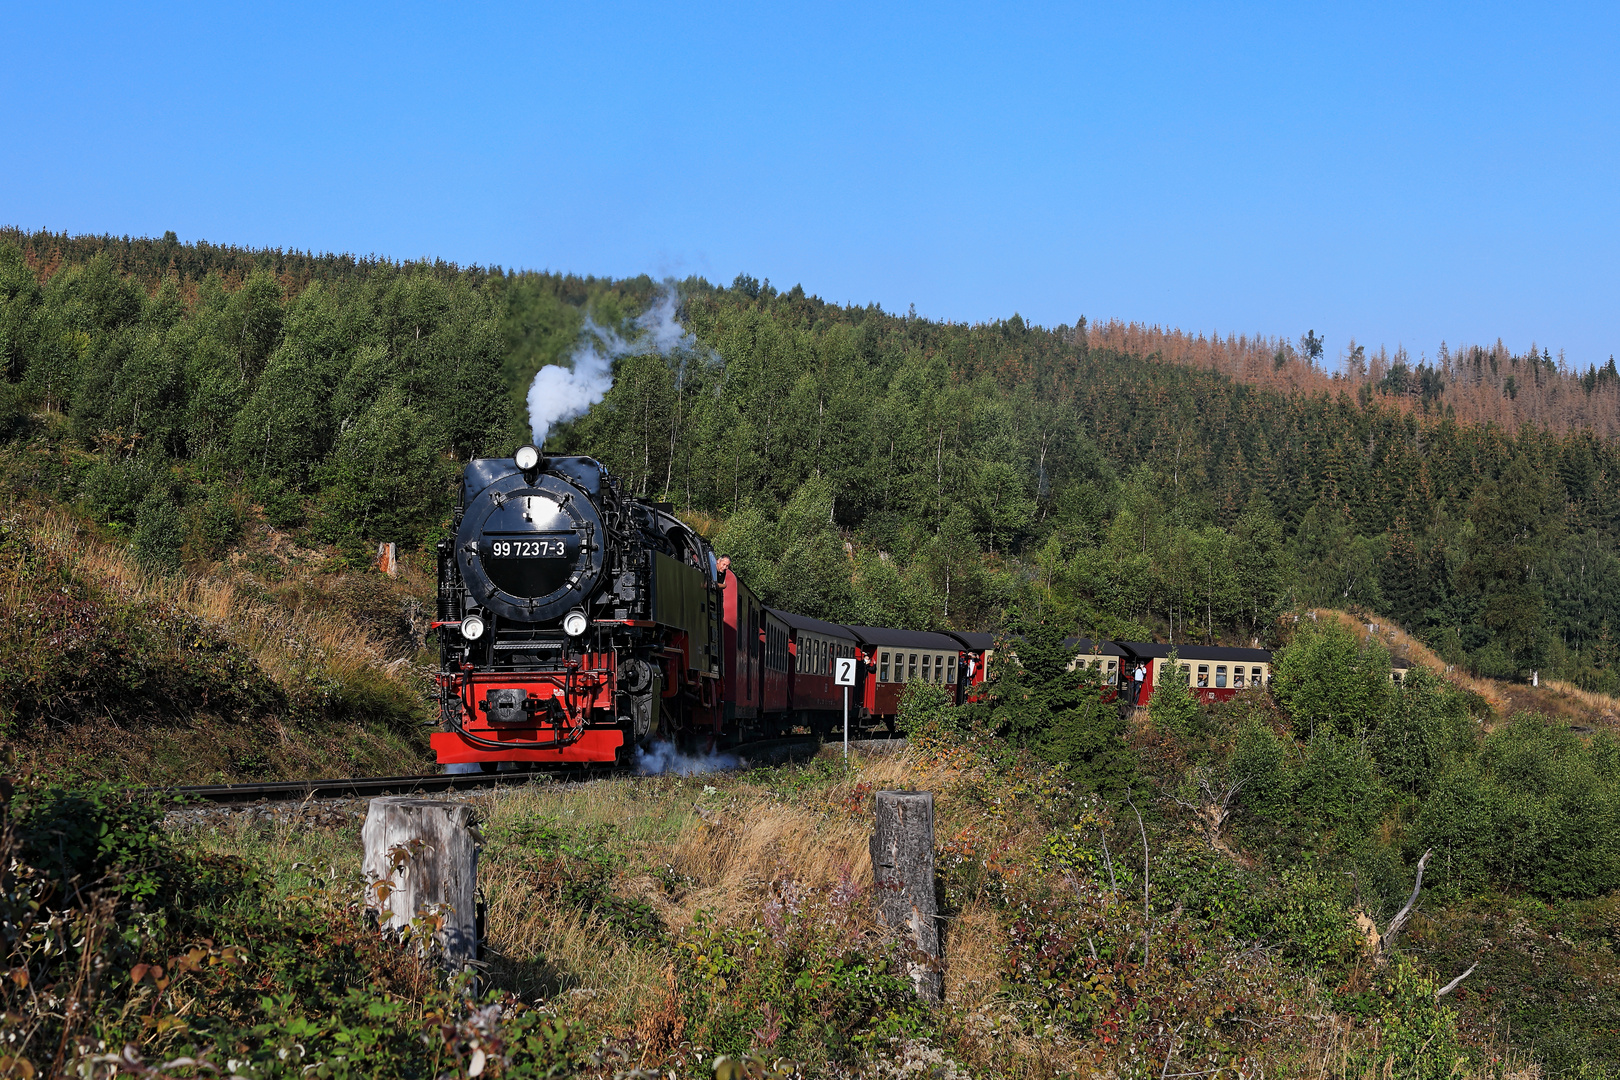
814,699
1214,673
893,658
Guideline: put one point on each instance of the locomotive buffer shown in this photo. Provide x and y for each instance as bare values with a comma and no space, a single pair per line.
844,676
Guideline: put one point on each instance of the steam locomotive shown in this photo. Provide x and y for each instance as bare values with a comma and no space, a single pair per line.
578,622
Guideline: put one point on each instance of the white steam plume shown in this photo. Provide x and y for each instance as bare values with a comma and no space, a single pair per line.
561,393
664,758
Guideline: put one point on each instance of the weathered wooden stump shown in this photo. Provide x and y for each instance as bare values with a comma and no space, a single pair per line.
421,862
903,871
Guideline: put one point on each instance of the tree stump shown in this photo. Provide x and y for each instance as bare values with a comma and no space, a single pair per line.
421,863
903,871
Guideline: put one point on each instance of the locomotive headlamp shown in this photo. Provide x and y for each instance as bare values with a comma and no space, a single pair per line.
472,628
527,457
574,623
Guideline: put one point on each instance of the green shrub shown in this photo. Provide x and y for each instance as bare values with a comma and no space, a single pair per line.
1328,682
114,488
94,837
283,503
1311,922
15,406
1419,1035
1260,758
1172,706
1427,722
1538,809
217,520
159,531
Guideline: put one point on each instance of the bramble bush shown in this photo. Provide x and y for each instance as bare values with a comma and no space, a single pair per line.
125,954
809,982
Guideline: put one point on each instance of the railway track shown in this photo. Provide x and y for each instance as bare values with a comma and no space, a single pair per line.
763,752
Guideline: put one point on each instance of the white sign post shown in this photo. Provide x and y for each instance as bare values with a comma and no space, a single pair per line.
844,676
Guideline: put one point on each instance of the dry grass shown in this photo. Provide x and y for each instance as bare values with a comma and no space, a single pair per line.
306,631
1602,710
281,638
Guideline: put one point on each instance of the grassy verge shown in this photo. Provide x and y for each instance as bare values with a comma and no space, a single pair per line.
111,671
650,926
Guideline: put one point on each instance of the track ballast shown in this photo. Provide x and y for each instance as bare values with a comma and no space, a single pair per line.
763,752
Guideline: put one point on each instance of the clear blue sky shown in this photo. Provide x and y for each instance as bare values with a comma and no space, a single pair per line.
1402,173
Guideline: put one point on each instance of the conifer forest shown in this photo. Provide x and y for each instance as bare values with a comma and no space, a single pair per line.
860,464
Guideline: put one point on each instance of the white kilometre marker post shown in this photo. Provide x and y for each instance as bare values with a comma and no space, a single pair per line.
845,676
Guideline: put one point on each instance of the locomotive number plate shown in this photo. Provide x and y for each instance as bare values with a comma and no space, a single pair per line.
530,549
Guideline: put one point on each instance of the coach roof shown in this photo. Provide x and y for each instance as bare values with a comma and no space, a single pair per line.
905,639
815,626
1143,650
973,641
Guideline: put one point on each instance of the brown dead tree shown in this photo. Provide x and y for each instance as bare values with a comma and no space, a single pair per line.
1212,804
1386,941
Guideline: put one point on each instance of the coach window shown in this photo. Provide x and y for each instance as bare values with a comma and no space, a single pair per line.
1186,674
1220,676
1237,678
1203,674
883,667
939,668
950,669
911,668
1113,672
